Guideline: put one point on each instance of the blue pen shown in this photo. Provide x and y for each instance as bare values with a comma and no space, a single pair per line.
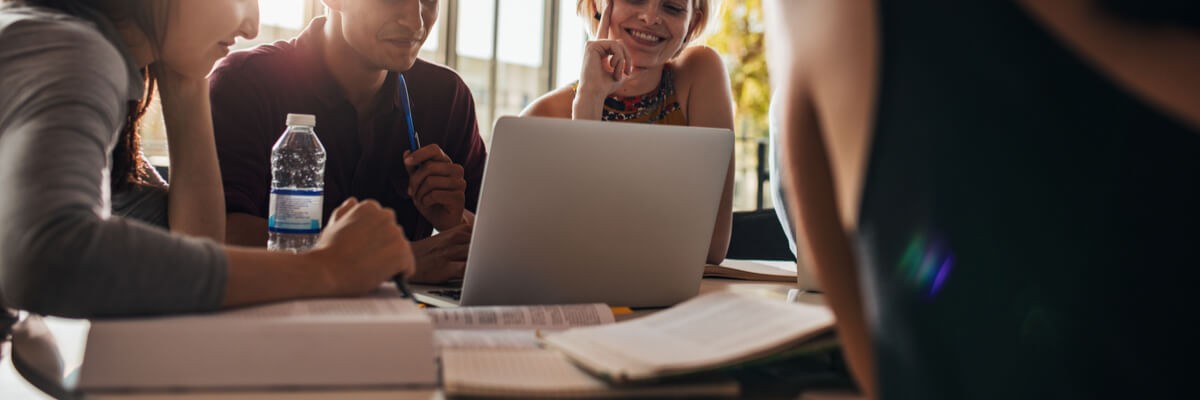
414,143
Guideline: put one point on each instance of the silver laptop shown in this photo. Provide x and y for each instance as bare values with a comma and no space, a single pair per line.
588,211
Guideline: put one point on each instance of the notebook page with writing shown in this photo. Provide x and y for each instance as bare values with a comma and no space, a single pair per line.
540,373
713,330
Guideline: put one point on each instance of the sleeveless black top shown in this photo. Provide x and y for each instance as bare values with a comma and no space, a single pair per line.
1028,229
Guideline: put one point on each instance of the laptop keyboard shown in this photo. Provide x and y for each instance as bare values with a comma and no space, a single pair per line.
455,294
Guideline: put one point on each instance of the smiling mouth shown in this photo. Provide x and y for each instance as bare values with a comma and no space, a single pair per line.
644,36
405,42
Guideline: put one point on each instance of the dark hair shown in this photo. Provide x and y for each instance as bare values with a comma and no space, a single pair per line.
1179,13
150,16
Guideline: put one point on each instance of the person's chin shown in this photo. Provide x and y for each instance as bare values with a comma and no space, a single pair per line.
400,64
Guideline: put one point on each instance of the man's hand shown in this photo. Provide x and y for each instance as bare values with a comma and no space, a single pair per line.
442,257
437,186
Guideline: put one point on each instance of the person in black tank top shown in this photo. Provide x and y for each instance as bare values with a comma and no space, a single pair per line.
1026,225
1027,228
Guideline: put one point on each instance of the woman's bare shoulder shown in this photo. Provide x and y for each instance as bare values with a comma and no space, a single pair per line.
699,70
698,63
556,104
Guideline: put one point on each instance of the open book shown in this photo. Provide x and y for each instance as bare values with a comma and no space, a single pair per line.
495,351
382,340
753,270
715,330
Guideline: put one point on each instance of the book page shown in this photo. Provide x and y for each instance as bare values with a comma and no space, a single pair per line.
486,339
545,317
534,373
710,330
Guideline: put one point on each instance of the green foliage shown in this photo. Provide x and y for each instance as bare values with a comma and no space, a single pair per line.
739,39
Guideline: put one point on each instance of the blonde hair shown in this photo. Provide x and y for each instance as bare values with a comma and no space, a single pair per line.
702,11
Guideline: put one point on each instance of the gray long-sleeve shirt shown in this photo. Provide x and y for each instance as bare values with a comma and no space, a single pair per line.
65,85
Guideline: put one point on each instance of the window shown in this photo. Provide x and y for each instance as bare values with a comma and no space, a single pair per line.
474,35
571,36
510,52
502,48
282,14
521,74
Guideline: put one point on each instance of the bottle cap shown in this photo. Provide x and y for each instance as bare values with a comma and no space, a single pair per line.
302,119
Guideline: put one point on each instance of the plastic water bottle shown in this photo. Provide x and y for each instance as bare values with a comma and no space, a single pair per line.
297,186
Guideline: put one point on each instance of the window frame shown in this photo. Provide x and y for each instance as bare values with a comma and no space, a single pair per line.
448,51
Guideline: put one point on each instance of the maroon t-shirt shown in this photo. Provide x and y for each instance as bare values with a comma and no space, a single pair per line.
254,90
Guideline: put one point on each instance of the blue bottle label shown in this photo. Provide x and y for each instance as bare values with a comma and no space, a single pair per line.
295,211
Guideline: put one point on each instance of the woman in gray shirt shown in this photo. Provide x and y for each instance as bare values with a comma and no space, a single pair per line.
75,76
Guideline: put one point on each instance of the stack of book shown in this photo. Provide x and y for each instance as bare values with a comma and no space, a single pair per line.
380,341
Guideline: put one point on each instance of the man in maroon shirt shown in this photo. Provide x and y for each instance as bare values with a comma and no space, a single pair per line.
343,69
